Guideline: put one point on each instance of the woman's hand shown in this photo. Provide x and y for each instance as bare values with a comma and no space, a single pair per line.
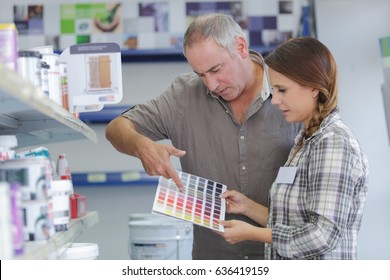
236,202
236,231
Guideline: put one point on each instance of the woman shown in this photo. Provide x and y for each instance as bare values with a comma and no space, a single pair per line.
316,202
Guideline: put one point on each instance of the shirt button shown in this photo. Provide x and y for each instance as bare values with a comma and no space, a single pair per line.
246,257
243,167
242,137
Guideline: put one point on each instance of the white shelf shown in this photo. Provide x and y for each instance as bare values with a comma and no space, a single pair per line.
53,247
25,111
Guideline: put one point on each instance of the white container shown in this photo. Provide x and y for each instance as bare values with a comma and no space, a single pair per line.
153,237
61,190
29,66
43,49
32,173
6,242
81,251
8,144
53,76
37,223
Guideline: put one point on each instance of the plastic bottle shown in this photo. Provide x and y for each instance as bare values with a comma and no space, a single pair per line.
63,169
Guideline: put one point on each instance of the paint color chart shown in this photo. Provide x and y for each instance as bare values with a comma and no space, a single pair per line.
199,203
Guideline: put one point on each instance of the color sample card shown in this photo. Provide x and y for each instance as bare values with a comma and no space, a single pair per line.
199,203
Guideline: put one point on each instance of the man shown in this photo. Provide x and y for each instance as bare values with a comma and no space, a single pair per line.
220,121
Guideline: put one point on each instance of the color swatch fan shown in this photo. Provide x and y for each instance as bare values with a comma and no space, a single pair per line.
199,203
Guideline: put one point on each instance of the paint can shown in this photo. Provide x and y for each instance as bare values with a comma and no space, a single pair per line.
61,190
80,251
53,60
29,66
49,49
37,223
32,173
153,237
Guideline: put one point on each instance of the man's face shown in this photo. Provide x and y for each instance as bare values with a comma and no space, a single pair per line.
218,69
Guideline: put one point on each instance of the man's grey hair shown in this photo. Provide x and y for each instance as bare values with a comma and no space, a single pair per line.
223,29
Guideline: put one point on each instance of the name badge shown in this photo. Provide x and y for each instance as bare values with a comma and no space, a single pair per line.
286,175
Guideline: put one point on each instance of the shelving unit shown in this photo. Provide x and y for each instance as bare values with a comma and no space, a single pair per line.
25,111
35,119
56,245
109,179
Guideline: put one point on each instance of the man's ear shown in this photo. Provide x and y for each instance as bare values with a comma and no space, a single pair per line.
242,47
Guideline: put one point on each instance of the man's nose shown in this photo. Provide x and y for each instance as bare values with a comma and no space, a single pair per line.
211,83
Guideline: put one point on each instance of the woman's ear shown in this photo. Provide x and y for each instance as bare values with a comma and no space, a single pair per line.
315,92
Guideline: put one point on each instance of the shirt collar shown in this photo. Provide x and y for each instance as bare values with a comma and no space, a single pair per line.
266,88
331,118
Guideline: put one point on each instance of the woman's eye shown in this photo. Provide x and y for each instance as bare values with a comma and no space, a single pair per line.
281,90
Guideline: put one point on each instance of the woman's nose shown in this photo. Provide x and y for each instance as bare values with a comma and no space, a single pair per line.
275,100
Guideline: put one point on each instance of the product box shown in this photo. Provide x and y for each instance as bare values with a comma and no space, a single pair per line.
8,45
78,205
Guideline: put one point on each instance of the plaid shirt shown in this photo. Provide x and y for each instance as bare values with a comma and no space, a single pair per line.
319,215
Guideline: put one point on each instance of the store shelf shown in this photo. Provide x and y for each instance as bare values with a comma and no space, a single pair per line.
25,111
55,246
105,115
107,179
169,54
153,55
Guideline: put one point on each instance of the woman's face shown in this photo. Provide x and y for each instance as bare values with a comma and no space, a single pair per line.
297,102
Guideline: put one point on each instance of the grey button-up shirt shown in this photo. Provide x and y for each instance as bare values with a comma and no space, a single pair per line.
245,158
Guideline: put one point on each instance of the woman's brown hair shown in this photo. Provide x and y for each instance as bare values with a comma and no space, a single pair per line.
308,62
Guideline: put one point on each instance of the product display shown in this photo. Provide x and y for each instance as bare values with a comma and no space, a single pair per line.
35,220
94,76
